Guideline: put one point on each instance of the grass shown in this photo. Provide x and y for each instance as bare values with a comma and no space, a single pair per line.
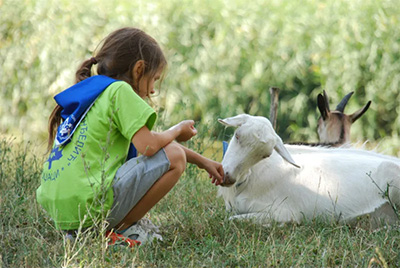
196,229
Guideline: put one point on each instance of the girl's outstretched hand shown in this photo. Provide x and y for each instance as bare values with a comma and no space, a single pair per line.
215,171
187,130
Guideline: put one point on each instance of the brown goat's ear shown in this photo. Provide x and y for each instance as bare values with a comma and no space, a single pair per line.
359,113
326,100
322,106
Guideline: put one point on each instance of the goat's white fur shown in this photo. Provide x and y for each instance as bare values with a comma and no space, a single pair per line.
341,183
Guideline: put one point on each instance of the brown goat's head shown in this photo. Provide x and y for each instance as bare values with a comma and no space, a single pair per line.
334,126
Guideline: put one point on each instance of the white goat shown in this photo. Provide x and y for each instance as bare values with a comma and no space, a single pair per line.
266,183
334,126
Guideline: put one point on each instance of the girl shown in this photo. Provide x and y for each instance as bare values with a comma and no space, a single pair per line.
96,122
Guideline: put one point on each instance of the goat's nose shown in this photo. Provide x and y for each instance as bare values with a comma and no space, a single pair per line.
228,180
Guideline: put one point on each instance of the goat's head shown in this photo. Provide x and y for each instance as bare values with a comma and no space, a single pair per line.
334,126
253,140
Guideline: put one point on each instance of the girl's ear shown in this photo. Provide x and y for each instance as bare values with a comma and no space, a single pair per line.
138,70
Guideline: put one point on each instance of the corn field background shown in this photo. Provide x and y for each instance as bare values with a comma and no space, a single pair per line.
223,58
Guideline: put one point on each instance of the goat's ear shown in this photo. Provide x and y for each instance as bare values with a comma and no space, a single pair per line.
322,106
360,112
282,151
235,121
326,98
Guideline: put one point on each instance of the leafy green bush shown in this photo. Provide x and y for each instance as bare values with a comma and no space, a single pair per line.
223,57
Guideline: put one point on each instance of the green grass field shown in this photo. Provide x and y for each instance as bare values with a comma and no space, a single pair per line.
194,225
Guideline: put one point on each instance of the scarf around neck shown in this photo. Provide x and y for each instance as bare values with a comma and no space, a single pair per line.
76,101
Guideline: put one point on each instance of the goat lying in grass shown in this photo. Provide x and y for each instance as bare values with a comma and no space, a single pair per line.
271,181
334,126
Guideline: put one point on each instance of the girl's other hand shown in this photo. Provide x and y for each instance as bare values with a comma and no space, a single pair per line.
187,130
215,172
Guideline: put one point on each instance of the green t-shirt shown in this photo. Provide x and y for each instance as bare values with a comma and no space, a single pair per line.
76,183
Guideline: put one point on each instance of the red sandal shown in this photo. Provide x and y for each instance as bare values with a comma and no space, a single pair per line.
120,240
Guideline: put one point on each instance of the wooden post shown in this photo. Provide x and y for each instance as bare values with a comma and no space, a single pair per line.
273,112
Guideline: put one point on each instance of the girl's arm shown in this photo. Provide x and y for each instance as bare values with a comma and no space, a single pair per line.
149,142
214,169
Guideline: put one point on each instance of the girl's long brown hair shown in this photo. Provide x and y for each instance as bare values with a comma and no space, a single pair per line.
116,58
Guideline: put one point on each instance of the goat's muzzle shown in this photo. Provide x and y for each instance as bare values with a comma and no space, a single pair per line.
228,180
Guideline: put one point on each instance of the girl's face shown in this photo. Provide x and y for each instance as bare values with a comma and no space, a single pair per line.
146,84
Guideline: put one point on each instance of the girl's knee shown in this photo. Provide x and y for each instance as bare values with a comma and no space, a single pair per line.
176,156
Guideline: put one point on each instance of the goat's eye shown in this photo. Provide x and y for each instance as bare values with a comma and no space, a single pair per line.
236,136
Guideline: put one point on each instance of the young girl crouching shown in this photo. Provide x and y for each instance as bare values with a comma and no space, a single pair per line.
95,129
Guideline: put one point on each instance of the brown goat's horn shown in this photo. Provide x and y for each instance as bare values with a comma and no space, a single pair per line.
343,102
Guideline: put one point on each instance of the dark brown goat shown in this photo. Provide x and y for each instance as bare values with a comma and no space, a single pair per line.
334,126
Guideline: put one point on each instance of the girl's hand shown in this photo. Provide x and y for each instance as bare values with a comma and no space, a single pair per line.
187,130
215,171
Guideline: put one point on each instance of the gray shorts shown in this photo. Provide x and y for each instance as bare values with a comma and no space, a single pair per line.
132,181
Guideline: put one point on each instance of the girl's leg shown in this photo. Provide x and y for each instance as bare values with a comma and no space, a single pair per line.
160,188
